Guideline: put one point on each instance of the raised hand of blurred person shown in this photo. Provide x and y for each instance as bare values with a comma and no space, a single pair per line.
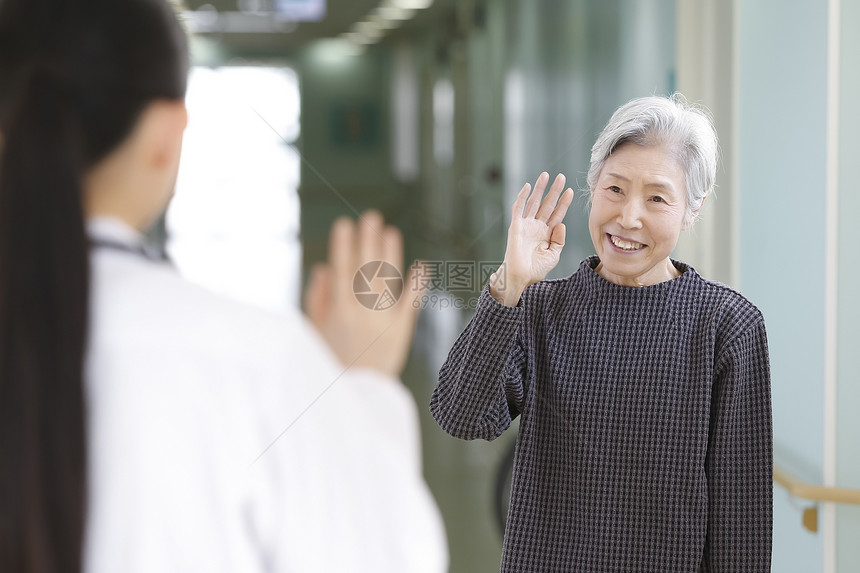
535,238
354,299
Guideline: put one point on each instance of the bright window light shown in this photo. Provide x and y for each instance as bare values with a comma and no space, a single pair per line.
233,225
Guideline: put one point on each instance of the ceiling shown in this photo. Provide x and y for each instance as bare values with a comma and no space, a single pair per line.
340,16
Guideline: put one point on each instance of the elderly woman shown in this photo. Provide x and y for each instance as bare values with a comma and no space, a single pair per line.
643,389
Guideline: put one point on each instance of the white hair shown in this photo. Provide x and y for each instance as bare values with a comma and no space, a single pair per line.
687,131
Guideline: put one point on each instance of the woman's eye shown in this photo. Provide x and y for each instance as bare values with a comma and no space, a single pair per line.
657,199
614,189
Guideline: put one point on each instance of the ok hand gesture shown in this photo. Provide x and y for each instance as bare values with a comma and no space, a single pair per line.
535,239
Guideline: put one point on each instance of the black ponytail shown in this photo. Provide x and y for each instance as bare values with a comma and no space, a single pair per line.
44,276
73,82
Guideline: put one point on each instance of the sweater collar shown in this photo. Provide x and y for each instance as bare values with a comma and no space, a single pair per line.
595,282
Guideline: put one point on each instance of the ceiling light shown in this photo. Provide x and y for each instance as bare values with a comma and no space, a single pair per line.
394,13
409,4
206,15
348,47
382,23
250,6
358,39
369,29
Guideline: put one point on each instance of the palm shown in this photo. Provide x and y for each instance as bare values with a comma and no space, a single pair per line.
359,336
536,235
528,254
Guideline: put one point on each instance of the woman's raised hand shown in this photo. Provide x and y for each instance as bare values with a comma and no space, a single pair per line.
535,238
378,337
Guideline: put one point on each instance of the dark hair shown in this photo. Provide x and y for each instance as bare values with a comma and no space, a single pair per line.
74,78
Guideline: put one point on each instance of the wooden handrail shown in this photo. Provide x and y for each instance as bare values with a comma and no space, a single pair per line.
819,493
816,493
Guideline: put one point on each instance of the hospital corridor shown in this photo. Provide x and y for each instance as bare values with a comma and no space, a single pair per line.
354,183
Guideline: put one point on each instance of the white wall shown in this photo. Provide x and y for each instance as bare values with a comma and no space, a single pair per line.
781,188
784,91
848,358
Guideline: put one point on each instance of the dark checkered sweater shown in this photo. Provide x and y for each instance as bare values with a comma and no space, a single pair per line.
645,439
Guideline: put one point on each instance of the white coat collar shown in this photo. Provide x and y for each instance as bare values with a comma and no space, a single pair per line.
113,230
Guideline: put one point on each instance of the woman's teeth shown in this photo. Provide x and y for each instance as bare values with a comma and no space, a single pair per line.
625,245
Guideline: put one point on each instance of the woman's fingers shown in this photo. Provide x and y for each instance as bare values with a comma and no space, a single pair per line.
560,210
342,254
371,240
547,206
556,239
393,247
520,202
533,203
542,208
351,245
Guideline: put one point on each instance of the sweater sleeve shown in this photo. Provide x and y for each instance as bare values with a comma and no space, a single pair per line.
739,464
480,384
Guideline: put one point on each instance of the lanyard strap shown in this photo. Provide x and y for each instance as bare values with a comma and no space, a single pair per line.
117,246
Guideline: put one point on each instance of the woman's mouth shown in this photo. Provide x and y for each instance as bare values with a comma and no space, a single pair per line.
624,244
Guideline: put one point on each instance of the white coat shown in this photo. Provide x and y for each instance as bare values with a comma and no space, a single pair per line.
224,438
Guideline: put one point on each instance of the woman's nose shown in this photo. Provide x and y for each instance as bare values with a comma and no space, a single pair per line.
630,216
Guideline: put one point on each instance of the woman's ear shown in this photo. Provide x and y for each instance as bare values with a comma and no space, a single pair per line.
162,124
695,215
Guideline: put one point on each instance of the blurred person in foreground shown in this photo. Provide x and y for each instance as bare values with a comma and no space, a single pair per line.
146,424
643,389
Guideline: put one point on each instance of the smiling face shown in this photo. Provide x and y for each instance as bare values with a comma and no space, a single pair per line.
637,212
